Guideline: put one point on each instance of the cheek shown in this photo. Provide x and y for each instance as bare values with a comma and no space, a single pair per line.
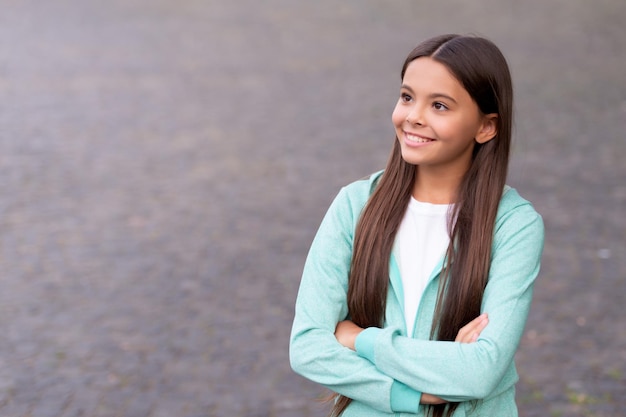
398,116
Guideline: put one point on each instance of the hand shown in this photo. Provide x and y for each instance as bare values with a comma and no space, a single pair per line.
471,331
431,399
346,333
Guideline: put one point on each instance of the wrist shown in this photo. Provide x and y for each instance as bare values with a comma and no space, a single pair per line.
365,343
351,336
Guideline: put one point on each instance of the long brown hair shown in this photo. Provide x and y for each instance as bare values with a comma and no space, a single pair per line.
482,70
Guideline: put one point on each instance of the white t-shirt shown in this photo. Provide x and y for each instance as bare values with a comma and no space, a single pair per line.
421,242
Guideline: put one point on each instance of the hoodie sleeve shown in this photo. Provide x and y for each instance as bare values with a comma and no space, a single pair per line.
460,372
321,303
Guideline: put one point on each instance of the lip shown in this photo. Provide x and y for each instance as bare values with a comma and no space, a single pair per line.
409,139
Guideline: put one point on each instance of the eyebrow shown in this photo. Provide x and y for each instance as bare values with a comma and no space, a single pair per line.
431,96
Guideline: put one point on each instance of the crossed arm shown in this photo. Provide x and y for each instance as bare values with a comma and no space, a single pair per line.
346,333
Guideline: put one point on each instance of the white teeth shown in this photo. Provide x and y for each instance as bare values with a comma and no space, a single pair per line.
416,139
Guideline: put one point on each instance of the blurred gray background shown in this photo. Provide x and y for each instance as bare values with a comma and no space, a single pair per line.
164,166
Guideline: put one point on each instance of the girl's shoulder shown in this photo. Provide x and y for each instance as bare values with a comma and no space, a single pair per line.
363,187
514,207
353,197
511,200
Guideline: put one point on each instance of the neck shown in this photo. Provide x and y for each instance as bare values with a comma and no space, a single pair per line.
431,186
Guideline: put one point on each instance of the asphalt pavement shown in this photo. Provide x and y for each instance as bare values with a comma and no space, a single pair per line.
164,166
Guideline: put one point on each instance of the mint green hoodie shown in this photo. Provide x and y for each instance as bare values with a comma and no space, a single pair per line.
389,371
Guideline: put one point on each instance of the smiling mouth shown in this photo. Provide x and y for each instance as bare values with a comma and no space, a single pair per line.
417,139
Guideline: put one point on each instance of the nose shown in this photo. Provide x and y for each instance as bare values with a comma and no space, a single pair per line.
414,116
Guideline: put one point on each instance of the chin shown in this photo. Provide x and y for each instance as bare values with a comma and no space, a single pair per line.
410,161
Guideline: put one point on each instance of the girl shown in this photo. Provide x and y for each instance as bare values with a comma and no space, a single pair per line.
392,308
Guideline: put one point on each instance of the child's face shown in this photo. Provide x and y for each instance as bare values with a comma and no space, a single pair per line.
437,122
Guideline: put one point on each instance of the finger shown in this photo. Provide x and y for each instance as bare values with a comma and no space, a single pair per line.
482,324
477,330
478,324
469,327
467,334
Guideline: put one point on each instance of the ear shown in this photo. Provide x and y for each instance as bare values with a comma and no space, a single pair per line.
488,128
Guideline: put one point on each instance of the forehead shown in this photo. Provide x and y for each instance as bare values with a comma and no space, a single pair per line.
427,75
